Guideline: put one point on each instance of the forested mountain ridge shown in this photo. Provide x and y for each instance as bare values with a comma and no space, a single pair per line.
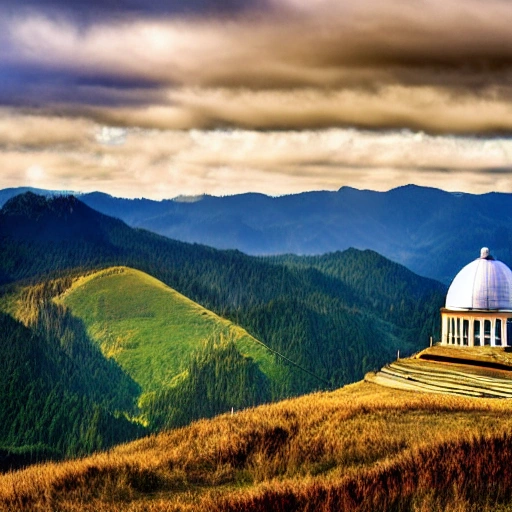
432,232
51,404
296,309
391,291
8,193
337,316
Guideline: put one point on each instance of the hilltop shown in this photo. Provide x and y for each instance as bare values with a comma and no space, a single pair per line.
360,448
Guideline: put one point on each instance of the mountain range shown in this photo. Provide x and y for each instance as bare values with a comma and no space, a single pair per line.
430,231
42,237
319,322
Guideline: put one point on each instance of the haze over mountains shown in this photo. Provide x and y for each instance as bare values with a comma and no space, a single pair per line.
432,232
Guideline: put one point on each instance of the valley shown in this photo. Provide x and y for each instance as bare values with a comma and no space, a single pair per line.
145,333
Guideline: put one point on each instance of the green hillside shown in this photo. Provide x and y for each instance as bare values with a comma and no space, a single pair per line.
97,359
150,329
338,317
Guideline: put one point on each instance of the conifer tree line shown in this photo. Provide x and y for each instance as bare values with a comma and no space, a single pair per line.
218,379
338,316
48,405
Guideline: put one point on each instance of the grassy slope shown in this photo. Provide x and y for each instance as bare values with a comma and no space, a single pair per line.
361,447
150,329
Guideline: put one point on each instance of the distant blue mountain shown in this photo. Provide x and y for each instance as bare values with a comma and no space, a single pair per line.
432,232
7,193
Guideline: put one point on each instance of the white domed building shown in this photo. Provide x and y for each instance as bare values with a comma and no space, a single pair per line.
478,308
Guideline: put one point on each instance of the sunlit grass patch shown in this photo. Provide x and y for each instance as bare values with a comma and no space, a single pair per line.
150,329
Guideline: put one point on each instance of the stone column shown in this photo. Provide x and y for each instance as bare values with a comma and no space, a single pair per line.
444,330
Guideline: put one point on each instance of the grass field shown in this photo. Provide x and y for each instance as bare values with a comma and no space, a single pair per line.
150,329
362,447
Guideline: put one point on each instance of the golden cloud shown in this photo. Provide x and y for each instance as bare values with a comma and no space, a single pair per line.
166,163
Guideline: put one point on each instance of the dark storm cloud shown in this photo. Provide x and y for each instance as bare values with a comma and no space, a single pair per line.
84,12
500,171
29,88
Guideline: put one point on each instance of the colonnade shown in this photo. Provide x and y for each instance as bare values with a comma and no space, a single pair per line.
474,329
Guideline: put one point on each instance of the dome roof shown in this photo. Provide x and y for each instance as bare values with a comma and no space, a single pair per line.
482,284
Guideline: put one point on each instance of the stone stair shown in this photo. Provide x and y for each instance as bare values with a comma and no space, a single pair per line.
453,379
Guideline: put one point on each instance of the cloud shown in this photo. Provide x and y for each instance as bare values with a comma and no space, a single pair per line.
436,65
278,96
85,12
330,46
392,107
28,131
136,162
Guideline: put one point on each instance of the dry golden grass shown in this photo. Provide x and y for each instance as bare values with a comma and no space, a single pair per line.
362,447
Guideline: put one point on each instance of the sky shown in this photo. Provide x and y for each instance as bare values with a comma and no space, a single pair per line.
166,98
